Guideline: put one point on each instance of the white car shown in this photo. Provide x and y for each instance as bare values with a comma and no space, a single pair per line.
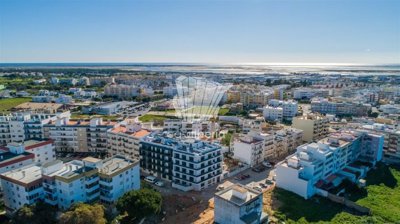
267,164
258,189
150,179
159,183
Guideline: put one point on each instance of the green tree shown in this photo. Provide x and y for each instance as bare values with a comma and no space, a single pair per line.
81,213
226,140
139,204
23,215
40,213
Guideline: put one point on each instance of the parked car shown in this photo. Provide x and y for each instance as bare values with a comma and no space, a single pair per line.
269,182
267,164
150,179
258,169
159,183
220,187
257,188
246,176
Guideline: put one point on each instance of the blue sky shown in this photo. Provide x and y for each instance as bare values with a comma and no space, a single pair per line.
242,31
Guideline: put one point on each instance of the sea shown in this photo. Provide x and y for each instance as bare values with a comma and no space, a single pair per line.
241,69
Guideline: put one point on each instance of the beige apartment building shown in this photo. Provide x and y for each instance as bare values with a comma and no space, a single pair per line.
78,136
125,138
315,126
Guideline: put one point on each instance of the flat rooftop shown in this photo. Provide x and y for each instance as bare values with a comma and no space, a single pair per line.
70,170
25,174
114,165
228,194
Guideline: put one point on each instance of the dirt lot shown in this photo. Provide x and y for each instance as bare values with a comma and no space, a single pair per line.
187,209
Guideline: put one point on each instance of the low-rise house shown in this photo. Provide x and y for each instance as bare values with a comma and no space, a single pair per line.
239,204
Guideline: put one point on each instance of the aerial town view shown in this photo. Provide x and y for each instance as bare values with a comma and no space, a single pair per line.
178,112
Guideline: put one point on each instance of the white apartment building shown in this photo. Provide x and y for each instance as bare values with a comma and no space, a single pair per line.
277,144
85,94
321,166
54,80
64,99
390,108
289,108
124,139
239,204
43,150
249,150
17,127
273,113
21,186
186,127
325,106
118,175
79,136
75,181
248,125
12,127
121,90
85,81
43,99
314,126
14,158
170,91
308,93
391,146
62,184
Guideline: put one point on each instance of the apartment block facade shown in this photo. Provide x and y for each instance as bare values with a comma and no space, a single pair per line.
249,150
391,146
314,126
63,184
79,136
124,139
324,106
322,166
190,164
18,127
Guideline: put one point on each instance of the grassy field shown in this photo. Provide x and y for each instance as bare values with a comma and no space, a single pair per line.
223,111
154,118
383,193
382,196
7,104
